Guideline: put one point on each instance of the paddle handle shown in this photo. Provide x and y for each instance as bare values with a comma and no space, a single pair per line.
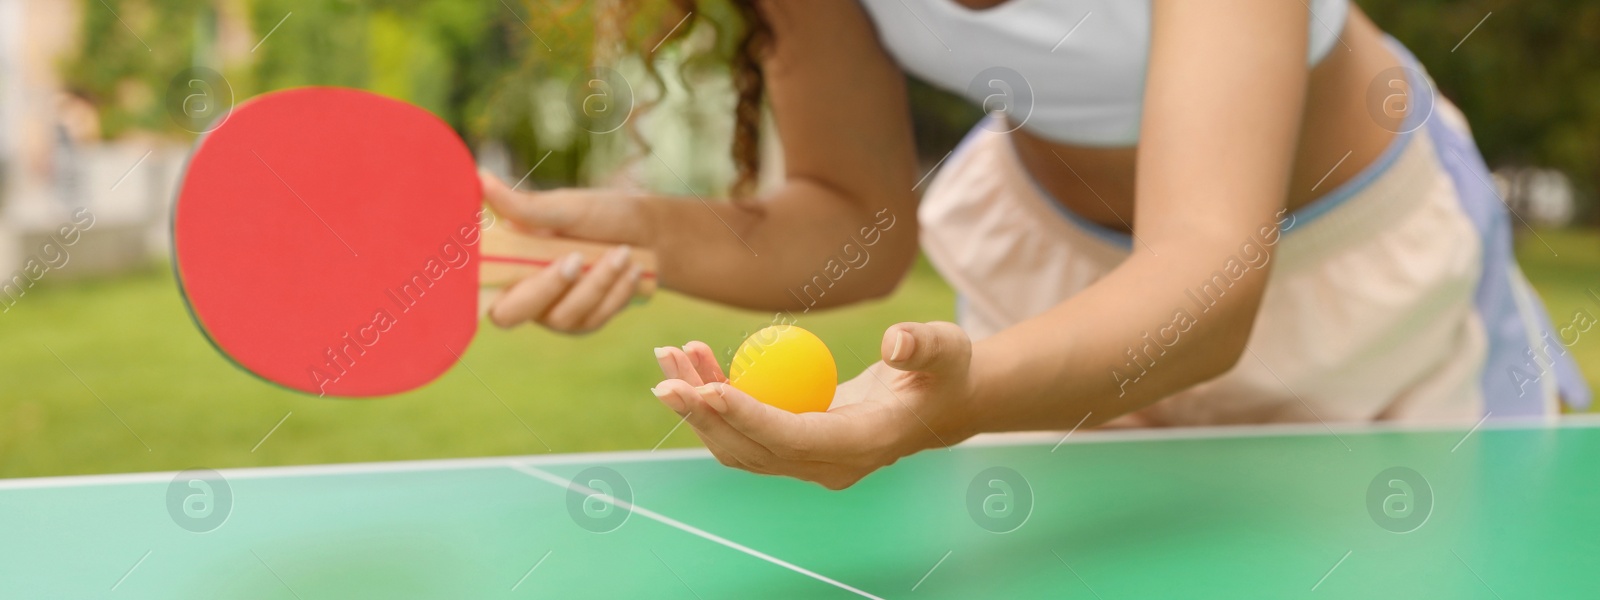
508,255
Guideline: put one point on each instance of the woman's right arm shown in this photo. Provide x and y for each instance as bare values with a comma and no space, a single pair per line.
849,162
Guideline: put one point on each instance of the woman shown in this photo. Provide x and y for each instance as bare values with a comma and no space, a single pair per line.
1239,211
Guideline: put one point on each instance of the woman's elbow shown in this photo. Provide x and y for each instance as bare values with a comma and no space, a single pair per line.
896,264
1229,343
1221,360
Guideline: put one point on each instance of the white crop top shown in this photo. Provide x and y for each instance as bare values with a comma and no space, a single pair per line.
1082,62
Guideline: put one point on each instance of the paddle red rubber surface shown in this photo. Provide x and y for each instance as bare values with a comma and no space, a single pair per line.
326,240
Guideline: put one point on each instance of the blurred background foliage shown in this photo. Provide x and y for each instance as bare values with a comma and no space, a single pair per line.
492,70
1527,76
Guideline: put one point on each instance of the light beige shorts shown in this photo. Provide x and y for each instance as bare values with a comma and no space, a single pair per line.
1386,298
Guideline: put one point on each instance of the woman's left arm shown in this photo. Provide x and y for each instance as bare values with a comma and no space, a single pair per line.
1222,112
1223,101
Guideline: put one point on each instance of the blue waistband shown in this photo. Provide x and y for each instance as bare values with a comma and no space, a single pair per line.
1324,204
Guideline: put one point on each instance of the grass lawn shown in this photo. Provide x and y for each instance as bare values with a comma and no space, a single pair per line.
130,341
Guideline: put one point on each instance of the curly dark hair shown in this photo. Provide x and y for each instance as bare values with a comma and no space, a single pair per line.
742,36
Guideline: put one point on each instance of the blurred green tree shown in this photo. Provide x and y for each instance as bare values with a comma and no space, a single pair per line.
1528,77
122,74
493,70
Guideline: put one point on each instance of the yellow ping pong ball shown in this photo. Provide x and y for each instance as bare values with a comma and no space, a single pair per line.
787,367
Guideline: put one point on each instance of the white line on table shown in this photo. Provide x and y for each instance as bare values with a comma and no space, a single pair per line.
557,481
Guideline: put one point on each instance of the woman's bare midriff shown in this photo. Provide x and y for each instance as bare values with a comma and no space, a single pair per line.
1097,183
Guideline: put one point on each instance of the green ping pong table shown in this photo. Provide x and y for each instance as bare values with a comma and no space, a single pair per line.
1494,511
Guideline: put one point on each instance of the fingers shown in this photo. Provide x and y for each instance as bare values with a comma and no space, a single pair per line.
597,215
731,447
533,295
809,436
705,362
694,363
702,408
829,449
615,299
563,298
574,308
676,365
532,211
935,346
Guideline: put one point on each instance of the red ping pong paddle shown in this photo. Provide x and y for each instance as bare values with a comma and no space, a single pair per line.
333,242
